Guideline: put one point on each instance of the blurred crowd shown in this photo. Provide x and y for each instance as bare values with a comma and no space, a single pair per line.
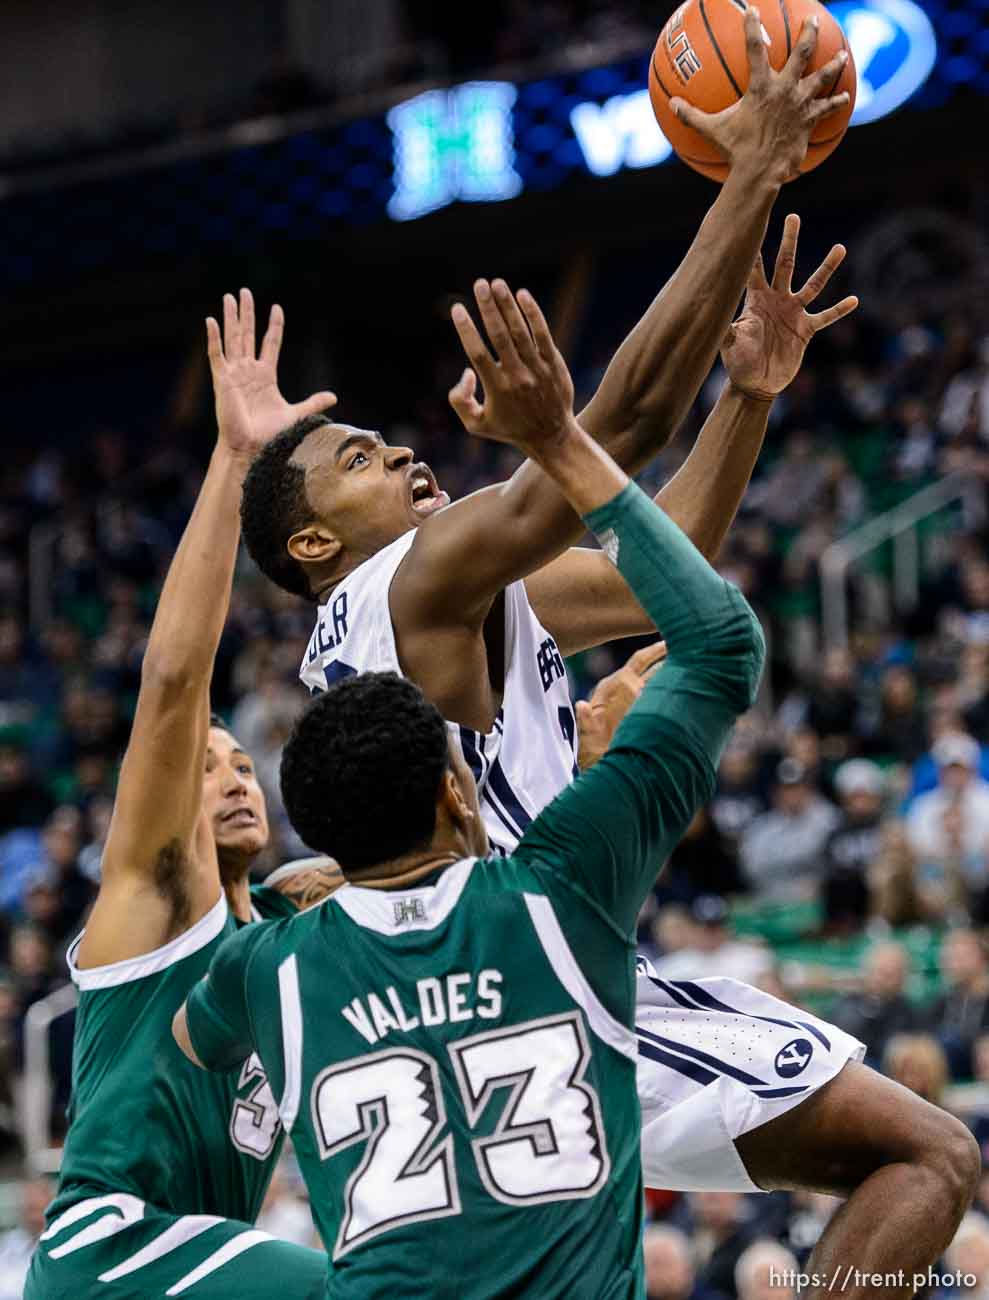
843,861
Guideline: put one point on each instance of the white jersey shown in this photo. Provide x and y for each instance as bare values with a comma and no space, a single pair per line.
529,756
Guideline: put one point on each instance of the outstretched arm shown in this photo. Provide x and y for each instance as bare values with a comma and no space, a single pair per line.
159,873
616,824
580,598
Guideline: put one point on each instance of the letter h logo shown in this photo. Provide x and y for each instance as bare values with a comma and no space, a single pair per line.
453,144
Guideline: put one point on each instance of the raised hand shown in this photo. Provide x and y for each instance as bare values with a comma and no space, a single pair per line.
768,129
598,718
764,348
528,392
250,409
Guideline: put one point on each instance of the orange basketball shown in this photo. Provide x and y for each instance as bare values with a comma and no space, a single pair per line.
700,56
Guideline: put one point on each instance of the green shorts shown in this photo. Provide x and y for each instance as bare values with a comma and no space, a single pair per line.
117,1247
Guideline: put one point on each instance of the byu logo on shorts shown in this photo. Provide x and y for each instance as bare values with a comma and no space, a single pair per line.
794,1058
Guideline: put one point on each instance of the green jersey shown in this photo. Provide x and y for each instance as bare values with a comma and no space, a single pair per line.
143,1121
456,1061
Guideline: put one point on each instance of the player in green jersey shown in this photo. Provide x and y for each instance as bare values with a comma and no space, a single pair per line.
451,1033
165,1167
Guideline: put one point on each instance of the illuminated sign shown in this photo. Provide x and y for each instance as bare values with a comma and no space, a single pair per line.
623,132
469,142
453,144
895,49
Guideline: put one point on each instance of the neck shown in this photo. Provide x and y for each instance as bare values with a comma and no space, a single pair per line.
403,872
235,879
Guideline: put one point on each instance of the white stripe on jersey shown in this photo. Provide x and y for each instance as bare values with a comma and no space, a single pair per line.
291,1005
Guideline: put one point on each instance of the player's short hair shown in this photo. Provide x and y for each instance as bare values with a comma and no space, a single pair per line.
274,505
362,769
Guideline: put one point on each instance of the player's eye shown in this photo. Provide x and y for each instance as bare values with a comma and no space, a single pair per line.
245,768
358,456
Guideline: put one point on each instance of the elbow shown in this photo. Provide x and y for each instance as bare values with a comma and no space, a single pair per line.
736,652
754,656
168,677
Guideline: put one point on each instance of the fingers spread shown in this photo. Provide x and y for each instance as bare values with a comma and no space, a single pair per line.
516,323
472,343
315,405
757,276
231,328
248,343
755,50
822,319
646,660
214,345
691,116
801,53
498,333
786,258
537,324
822,275
826,77
821,108
462,399
271,344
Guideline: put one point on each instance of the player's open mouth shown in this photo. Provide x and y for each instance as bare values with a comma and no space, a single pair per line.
239,817
424,493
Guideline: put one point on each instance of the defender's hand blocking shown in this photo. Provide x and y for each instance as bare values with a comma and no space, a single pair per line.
528,392
764,348
598,718
768,129
250,409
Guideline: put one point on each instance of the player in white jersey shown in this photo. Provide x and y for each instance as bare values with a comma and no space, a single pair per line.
528,755
331,512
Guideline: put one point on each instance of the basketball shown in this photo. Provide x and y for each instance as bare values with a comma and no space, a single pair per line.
700,57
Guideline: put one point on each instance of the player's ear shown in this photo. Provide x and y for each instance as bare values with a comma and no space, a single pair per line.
313,544
453,799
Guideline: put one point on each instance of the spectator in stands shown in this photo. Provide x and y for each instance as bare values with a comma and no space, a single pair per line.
852,846
968,1258
669,1268
17,1245
738,799
966,399
792,489
897,731
25,801
713,950
700,864
718,1224
919,1063
949,826
977,1115
882,1009
9,1054
29,856
962,1012
896,895
834,704
781,852
766,1271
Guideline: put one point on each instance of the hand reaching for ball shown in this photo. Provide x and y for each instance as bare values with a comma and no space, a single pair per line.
763,349
771,105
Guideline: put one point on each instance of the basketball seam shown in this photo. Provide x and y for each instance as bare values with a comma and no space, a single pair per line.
816,144
717,49
659,79
786,27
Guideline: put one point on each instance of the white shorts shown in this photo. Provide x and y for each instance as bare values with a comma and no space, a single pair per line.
717,1059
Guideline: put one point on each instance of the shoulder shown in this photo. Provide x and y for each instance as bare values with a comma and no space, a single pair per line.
296,886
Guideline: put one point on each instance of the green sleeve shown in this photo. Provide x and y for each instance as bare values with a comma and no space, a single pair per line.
216,1009
610,833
